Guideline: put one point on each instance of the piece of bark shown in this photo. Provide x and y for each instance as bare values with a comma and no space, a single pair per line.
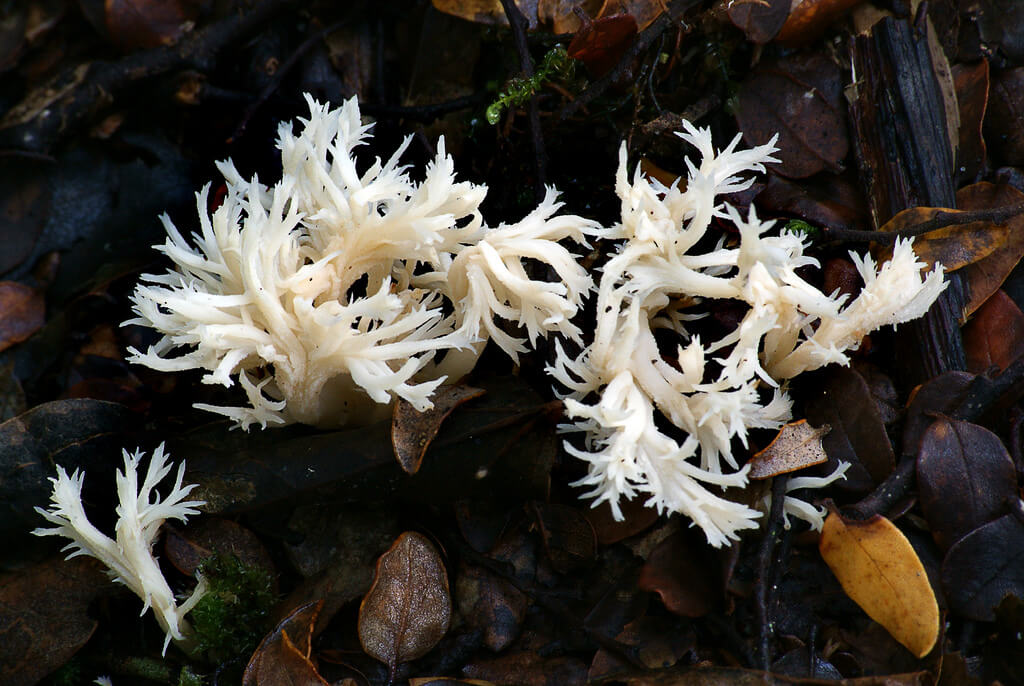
902,144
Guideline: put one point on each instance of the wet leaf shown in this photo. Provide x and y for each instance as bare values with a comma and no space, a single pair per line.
407,610
994,335
987,275
187,548
734,676
858,435
808,20
446,681
561,15
984,567
412,430
797,445
601,43
637,518
684,571
800,100
44,617
965,476
282,659
760,20
879,570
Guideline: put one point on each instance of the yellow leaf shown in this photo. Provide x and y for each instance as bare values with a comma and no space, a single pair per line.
879,570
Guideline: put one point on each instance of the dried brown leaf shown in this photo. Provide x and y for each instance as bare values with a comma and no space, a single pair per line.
808,19
407,610
995,335
683,571
283,658
488,12
797,445
984,567
986,276
22,312
412,430
760,20
880,571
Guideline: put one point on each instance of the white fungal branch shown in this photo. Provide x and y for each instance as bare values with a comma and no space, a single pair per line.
656,281
129,555
336,290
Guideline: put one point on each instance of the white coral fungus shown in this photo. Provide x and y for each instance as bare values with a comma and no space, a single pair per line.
129,557
625,377
335,288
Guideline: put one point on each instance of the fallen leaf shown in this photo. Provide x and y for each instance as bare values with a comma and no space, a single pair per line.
282,659
939,395
808,20
562,16
643,11
797,445
1002,121
568,536
407,610
984,567
488,12
22,312
956,245
527,668
637,517
25,194
683,571
44,616
879,570
800,100
447,681
858,435
994,335
412,430
490,605
760,20
965,477
824,200
601,43
986,276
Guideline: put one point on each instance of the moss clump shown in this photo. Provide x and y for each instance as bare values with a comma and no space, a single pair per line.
232,617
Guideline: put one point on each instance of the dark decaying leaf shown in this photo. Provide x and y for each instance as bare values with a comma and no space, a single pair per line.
568,536
685,572
800,99
797,445
283,658
844,402
971,81
965,477
1005,111
44,616
24,206
824,200
995,334
956,245
984,567
637,517
407,610
187,548
601,43
73,433
446,681
412,430
657,644
880,571
487,11
809,19
490,605
760,20
735,676
985,276
527,668
23,311
940,395
134,24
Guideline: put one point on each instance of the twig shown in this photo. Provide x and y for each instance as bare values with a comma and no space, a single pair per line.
983,392
519,26
425,113
889,491
765,583
941,219
665,20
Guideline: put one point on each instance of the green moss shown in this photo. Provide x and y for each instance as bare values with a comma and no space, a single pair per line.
556,63
232,617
